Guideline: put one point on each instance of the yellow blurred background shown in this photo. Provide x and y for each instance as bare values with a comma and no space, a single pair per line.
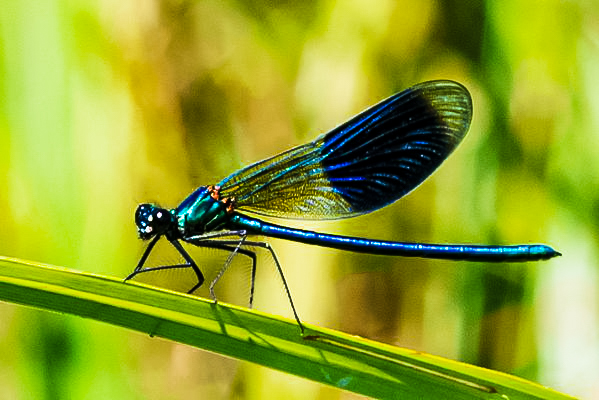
106,104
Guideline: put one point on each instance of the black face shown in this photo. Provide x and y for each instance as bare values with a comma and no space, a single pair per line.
152,221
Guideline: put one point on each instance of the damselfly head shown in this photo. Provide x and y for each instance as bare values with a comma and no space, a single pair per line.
152,220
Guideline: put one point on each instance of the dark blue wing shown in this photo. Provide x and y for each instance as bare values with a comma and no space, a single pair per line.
365,164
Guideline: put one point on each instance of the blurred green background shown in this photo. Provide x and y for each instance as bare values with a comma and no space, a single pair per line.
106,104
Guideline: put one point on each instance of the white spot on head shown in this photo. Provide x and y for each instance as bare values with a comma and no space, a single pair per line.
159,214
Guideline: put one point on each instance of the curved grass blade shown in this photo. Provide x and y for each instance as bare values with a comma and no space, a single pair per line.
332,358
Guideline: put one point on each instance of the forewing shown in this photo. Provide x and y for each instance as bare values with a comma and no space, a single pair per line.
362,165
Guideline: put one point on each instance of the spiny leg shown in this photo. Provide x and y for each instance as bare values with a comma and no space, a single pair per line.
231,247
208,240
143,259
189,263
268,247
201,241
226,266
205,241
214,235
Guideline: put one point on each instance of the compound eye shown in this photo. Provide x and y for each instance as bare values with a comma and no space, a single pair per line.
151,220
142,213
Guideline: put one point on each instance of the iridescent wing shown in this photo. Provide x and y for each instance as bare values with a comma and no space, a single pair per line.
362,165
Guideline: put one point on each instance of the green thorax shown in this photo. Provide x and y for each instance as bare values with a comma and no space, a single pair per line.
201,212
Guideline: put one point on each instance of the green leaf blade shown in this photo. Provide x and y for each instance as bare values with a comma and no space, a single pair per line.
332,358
